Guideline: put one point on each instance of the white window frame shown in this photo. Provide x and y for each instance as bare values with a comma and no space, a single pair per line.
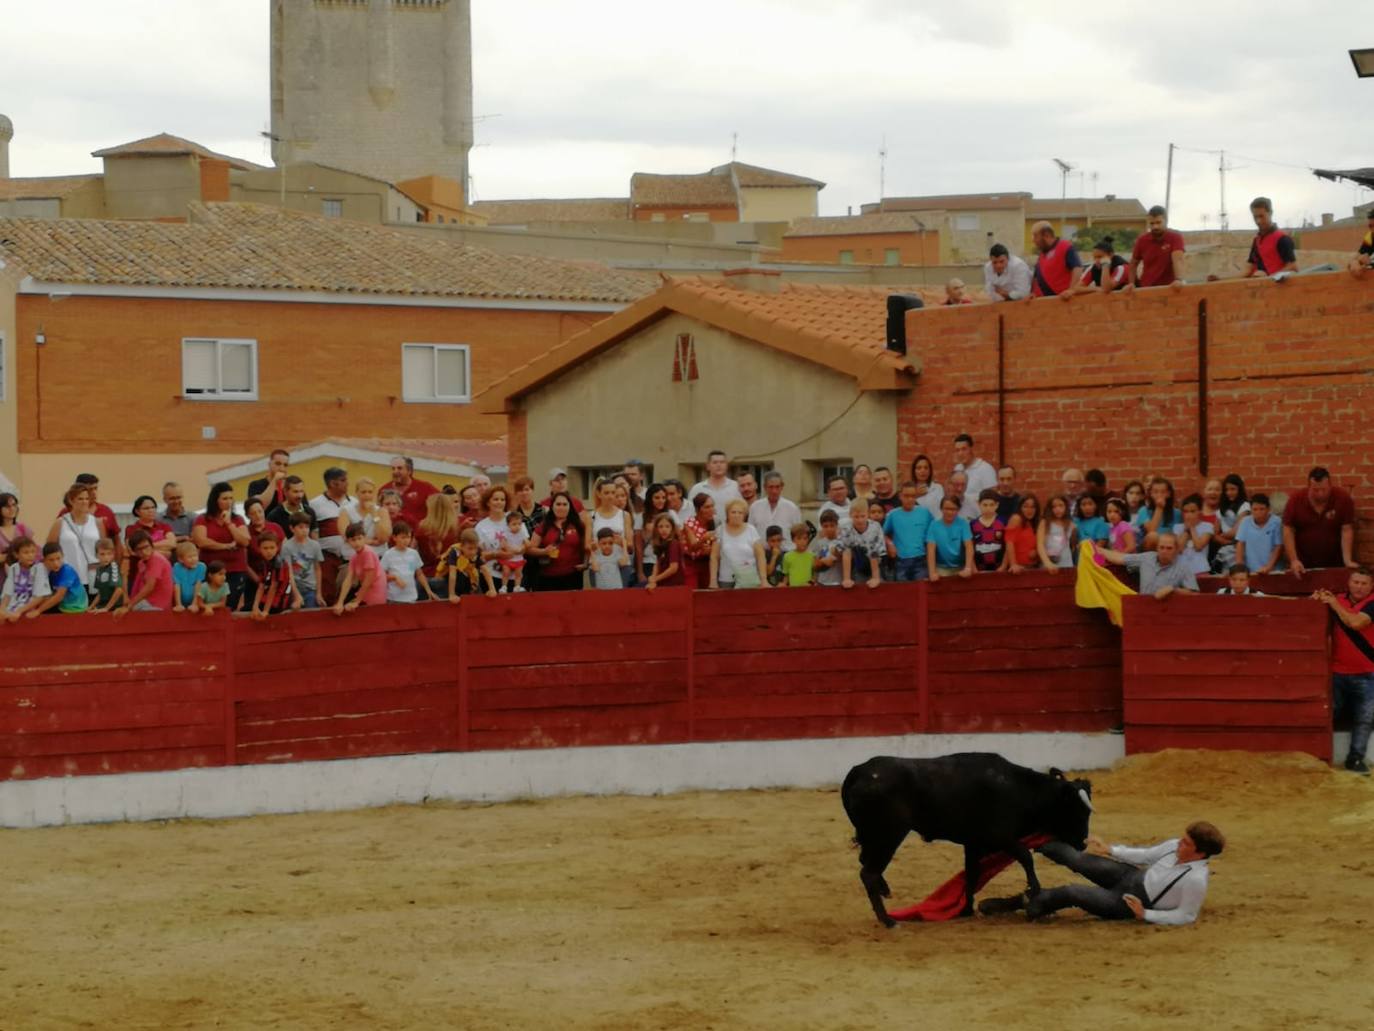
966,223
218,394
440,399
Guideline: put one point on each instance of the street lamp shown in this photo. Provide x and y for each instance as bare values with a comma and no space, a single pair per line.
1363,60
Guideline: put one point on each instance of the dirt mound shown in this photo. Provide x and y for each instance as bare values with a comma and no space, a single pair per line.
1235,776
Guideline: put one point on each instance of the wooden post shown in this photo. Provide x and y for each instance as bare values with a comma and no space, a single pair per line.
231,743
923,657
464,673
690,628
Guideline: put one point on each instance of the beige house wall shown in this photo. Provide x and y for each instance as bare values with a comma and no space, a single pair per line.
9,408
85,201
777,203
151,187
122,478
969,246
309,185
760,405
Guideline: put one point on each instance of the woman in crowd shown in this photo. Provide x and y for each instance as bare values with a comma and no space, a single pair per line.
11,529
699,537
390,500
737,556
607,514
655,504
258,525
1021,536
437,532
532,515
223,536
1135,498
861,485
470,507
1089,523
666,569
1232,508
1158,515
929,493
164,538
77,531
558,546
491,531
1055,540
365,509
628,502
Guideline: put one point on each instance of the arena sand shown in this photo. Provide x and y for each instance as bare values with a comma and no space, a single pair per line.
691,911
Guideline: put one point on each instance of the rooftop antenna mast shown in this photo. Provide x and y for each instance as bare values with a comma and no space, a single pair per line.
882,169
1064,169
734,146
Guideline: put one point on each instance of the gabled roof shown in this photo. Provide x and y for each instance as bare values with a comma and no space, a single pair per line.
572,209
856,225
706,190
1086,207
449,457
957,202
250,246
44,187
752,176
166,145
841,328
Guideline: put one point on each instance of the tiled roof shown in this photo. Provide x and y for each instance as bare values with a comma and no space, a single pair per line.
707,190
855,225
165,145
573,209
842,328
751,176
957,202
249,246
1086,207
44,188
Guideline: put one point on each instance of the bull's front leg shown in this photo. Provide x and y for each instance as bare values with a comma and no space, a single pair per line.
1022,855
971,861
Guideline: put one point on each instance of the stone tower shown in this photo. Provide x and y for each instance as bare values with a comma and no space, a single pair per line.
382,87
6,134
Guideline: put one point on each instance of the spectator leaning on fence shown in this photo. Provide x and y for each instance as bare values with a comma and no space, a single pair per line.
1319,525
1352,661
1161,572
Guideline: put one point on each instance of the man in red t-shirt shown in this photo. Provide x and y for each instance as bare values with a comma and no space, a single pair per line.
1157,259
1352,661
1273,250
414,493
1319,525
558,484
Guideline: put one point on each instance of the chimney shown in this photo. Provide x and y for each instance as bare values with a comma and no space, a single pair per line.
1327,218
1110,196
6,134
757,280
897,307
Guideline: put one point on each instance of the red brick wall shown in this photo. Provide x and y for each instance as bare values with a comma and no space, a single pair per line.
214,179
917,248
1112,382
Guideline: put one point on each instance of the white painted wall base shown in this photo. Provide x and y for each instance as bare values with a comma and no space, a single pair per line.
500,776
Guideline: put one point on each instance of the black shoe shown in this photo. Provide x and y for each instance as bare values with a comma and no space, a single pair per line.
1000,906
1357,765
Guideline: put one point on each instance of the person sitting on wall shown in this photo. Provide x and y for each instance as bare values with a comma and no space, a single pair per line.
1319,525
1352,661
1161,573
1273,251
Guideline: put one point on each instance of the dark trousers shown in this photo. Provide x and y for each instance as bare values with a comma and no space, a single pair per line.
1111,880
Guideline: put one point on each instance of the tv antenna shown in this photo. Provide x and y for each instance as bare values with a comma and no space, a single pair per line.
882,169
1064,169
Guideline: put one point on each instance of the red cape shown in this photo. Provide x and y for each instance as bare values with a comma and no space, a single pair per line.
947,901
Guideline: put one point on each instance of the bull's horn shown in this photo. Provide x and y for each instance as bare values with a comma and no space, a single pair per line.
1086,800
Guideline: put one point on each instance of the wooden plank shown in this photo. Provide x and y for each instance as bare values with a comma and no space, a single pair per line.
320,653
1235,689
1094,678
1018,659
715,633
1102,635
898,680
637,611
588,648
100,695
922,602
1016,702
857,661
322,624
1269,635
141,761
1245,739
593,717
1224,663
579,695
1310,713
87,627
804,727
897,703
1023,618
381,724
340,703
499,678
379,673
1023,723
355,747
579,737
717,604
203,736
126,672
596,607
124,716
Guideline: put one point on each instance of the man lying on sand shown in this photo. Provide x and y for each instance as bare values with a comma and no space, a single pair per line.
1163,884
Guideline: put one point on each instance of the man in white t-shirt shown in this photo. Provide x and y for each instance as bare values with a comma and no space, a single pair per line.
677,504
981,475
717,484
774,510
328,507
836,500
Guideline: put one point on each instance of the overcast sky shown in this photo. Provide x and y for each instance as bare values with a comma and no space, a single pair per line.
973,95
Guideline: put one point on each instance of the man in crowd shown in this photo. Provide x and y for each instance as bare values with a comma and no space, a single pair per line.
481,481
1273,250
1161,573
1352,661
328,506
748,488
1008,497
558,484
1157,259
836,499
1074,486
271,489
293,502
634,472
1095,487
774,510
414,493
174,512
956,293
1319,525
677,498
957,488
884,489
981,475
721,488
1005,276
1054,269
1364,257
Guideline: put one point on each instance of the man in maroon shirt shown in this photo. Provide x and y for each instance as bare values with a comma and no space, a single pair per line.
1157,259
1319,525
414,493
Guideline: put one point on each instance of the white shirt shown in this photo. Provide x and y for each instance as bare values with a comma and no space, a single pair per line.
841,511
737,552
327,512
1189,556
762,515
981,475
727,491
1182,900
1016,278
403,564
930,500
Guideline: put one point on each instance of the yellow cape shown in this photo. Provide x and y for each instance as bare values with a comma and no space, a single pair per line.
1097,588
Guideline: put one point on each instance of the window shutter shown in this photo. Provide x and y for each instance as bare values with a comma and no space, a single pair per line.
236,368
451,372
417,373
199,374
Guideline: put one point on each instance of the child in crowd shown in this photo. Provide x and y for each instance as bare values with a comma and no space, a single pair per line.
1211,504
663,542
1194,537
864,547
188,572
26,583
1158,514
1238,582
1056,540
404,568
949,542
1021,536
773,553
1233,507
1135,498
464,568
905,528
152,589
107,583
511,565
989,534
1089,522
212,593
66,592
1259,538
363,583
607,561
305,555
1120,533
877,515
276,589
799,564
827,548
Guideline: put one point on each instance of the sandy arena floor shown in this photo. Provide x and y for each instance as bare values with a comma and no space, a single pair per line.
693,911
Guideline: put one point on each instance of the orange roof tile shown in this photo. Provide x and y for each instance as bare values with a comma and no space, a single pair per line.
706,190
165,145
956,202
842,328
855,225
751,176
44,187
1086,207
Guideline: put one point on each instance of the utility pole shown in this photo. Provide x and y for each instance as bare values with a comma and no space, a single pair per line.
734,146
1169,179
281,165
882,170
1221,170
1064,169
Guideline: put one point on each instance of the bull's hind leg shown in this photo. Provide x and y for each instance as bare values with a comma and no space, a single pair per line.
876,849
1022,855
971,860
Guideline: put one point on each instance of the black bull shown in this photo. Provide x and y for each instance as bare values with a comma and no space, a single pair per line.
975,799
